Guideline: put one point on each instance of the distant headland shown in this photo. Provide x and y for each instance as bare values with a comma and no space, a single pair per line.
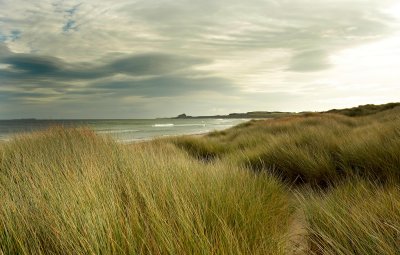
361,110
247,115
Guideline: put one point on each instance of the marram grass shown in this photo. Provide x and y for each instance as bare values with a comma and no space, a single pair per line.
358,217
69,191
315,148
336,155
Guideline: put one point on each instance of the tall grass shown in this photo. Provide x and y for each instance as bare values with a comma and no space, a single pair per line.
69,191
358,217
363,110
313,148
339,156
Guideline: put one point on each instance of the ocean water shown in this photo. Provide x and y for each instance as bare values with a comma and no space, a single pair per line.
123,130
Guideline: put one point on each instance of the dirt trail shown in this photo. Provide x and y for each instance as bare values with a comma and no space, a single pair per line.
297,234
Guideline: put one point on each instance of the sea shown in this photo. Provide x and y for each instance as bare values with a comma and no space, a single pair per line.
127,130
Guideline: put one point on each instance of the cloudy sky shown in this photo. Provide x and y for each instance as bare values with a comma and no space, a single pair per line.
154,58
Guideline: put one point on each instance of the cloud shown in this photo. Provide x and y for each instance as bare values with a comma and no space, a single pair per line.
12,36
208,27
309,61
31,66
71,25
30,77
300,26
4,51
154,64
166,86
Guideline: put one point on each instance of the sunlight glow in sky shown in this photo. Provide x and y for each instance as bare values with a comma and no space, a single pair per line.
155,58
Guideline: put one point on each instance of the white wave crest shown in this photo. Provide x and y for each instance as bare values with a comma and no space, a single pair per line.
163,125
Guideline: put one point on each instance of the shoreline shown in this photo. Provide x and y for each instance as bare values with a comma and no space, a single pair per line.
122,141
140,134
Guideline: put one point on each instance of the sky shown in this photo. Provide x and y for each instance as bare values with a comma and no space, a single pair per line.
161,58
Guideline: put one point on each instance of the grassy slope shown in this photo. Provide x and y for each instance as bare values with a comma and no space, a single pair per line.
355,160
364,110
313,148
72,192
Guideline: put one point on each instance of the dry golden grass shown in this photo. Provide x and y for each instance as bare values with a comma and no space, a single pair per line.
357,217
313,148
69,191
334,154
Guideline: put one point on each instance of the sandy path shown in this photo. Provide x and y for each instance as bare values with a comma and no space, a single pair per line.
297,235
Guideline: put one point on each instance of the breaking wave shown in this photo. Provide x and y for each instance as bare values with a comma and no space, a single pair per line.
163,125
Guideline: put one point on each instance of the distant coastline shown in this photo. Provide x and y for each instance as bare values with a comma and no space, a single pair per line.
247,115
360,110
